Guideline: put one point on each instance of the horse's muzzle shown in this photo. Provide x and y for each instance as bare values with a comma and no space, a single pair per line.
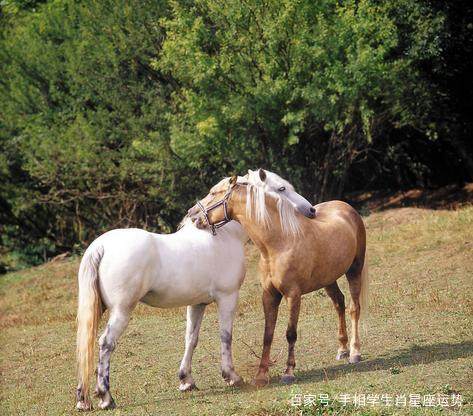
307,211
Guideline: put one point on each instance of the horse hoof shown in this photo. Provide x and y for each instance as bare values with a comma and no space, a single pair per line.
342,355
354,359
84,406
183,387
237,382
107,402
260,382
287,379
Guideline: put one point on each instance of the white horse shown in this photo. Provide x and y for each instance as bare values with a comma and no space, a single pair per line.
125,266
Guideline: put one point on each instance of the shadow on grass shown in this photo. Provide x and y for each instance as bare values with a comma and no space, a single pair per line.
406,357
414,355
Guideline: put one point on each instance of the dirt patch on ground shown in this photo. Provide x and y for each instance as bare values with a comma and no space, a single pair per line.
448,197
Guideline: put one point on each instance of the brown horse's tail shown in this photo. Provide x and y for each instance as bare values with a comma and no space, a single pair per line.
364,293
89,311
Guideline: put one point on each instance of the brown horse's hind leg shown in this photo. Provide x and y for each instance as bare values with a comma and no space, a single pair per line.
294,304
339,303
271,301
354,283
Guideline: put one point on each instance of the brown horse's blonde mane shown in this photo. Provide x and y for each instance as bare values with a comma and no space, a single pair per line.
256,207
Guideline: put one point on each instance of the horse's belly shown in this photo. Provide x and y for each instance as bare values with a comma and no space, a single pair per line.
159,299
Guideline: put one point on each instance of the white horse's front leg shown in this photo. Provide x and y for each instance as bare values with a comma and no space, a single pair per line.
226,311
195,314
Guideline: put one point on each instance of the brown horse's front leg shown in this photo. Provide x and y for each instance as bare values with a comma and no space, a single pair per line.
294,304
271,301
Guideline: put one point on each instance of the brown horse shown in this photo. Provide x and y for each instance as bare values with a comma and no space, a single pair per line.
299,254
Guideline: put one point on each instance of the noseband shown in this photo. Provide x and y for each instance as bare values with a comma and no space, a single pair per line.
206,211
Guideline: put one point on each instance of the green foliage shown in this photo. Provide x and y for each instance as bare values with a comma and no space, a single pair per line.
84,129
300,86
120,113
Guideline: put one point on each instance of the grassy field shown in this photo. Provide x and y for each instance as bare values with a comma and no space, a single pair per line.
418,338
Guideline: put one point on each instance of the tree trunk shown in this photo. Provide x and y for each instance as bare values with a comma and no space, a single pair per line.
462,151
327,167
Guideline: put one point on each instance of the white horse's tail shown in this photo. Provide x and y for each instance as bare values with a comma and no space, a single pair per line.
364,293
89,311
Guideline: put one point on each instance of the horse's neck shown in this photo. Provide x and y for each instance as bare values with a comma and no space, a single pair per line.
268,238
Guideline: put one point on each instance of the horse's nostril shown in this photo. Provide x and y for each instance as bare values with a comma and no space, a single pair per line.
312,210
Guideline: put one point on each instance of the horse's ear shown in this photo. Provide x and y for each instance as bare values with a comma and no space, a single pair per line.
262,174
233,180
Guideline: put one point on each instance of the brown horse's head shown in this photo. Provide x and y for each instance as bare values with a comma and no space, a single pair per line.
213,211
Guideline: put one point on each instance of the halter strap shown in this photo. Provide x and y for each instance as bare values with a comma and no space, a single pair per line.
206,211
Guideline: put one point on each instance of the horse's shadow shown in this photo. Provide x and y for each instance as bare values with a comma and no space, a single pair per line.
414,355
406,357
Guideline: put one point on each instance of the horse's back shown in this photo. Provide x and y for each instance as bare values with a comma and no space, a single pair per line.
335,207
339,217
333,211
127,247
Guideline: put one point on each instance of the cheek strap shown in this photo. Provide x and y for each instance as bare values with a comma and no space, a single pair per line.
224,202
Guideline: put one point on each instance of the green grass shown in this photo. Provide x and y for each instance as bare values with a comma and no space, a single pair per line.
418,338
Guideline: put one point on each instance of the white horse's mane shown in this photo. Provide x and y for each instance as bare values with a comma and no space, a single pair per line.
256,191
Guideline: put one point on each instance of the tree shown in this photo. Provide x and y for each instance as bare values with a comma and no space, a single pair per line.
300,86
84,128
121,113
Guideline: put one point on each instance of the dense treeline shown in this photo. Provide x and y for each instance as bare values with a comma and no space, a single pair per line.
120,113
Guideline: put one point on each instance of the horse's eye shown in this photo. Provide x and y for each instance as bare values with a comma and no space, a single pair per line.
282,189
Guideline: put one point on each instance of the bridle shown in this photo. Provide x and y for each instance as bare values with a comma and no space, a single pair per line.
224,202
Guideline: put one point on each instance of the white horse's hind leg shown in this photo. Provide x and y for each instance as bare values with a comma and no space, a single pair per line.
195,314
116,325
226,312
